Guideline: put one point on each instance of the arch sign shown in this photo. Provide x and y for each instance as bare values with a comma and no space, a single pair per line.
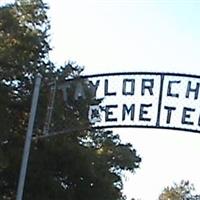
138,99
146,100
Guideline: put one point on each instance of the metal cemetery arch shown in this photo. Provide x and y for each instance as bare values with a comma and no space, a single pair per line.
141,100
130,99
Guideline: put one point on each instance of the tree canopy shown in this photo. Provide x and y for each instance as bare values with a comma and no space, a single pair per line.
182,191
84,164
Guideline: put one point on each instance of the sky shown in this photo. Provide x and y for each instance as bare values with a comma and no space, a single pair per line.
127,35
133,36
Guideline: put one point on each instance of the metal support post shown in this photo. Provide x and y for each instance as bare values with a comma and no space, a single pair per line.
50,109
28,139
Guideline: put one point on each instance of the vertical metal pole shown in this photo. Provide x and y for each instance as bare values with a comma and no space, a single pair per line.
50,109
29,132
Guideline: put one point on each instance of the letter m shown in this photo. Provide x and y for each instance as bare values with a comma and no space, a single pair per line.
128,111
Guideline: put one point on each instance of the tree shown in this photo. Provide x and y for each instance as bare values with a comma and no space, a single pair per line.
24,43
23,52
182,191
80,164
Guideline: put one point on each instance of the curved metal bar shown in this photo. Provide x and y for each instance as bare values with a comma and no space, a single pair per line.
136,73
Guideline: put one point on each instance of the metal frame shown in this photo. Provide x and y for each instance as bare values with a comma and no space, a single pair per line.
161,74
48,119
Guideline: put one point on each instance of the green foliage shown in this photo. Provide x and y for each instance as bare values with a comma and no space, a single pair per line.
182,191
73,169
24,41
23,52
78,164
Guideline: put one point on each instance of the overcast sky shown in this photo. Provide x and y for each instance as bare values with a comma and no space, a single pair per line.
137,35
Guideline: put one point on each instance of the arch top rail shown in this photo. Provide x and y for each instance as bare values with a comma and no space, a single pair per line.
137,73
